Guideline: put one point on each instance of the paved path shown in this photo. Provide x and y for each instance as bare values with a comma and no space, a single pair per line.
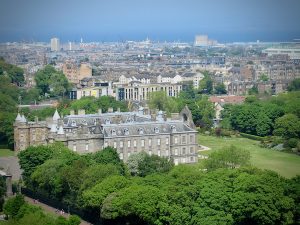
51,210
12,163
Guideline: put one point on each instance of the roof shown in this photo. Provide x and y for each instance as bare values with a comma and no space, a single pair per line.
232,99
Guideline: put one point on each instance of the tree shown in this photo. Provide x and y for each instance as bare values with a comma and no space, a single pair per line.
206,84
294,85
95,196
230,157
13,205
263,77
97,173
109,155
50,80
159,100
287,126
154,164
220,89
16,74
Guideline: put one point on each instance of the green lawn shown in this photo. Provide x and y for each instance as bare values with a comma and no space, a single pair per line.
6,152
286,164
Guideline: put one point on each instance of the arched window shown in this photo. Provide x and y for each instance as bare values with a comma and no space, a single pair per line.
73,123
126,131
156,130
113,132
141,131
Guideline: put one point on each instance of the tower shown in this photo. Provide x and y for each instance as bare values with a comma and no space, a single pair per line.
55,45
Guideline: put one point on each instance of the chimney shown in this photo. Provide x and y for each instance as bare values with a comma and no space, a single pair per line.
72,112
110,110
99,111
81,112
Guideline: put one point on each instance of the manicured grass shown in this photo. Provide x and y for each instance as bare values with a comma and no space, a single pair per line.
286,164
6,152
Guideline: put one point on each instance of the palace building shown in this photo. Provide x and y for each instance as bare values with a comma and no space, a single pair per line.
128,132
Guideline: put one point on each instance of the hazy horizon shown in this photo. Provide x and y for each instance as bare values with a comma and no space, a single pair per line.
164,20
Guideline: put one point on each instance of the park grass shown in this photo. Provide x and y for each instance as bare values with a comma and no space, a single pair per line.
6,152
286,164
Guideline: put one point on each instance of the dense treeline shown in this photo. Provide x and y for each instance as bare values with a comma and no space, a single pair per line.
277,115
20,212
150,190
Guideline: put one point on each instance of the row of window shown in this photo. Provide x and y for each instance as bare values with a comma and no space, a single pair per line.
134,143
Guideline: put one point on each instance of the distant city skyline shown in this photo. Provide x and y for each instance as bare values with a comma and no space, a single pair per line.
160,20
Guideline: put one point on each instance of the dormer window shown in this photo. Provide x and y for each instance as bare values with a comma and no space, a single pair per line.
173,128
73,123
84,122
113,132
107,121
156,130
126,131
141,131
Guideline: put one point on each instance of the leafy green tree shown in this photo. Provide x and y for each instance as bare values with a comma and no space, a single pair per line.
206,84
263,77
294,85
95,196
287,126
253,90
159,100
154,164
263,125
2,191
49,80
231,157
220,89
16,74
109,155
97,173
13,205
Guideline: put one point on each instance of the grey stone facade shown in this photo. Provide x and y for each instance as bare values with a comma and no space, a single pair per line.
128,132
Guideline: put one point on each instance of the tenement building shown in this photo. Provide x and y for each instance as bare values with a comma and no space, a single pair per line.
128,132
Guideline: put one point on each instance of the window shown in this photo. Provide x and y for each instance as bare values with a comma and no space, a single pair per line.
192,139
142,143
158,152
176,162
183,151
175,140
121,144
175,151
128,154
183,160
167,141
150,152
167,153
141,130
115,144
121,155
74,148
192,159
191,150
128,144
134,143
156,130
113,132
150,142
183,139
126,131
158,141
86,146
105,144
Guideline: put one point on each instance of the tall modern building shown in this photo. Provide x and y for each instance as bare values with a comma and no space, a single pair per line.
55,46
201,40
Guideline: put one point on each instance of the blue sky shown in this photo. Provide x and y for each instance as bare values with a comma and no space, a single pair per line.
118,20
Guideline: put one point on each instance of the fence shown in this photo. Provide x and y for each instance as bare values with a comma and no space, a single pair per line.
85,215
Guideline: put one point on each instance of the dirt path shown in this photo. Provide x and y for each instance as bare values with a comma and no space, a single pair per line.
51,210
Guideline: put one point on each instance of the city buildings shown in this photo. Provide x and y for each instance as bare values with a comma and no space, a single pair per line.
128,132
75,73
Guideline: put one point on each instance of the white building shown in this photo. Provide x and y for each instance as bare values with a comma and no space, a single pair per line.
55,45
